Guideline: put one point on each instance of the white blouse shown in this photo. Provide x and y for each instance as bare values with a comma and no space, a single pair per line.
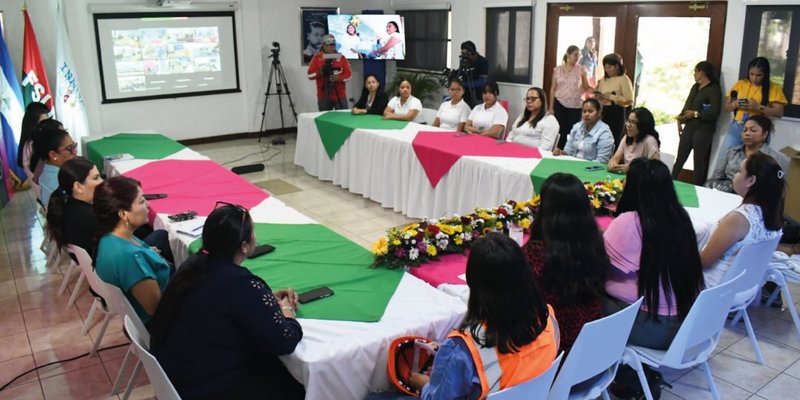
543,135
412,103
484,118
451,115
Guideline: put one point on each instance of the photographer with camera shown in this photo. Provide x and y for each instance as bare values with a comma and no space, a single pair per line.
473,70
331,71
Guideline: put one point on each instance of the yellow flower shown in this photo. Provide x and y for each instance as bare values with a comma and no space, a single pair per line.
484,216
536,200
458,240
431,250
396,242
499,225
525,223
381,246
596,203
459,228
446,229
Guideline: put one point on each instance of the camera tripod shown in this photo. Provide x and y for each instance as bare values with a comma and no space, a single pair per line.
277,77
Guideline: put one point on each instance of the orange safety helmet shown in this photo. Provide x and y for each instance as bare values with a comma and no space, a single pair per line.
409,354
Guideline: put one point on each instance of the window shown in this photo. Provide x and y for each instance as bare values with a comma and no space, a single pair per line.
427,39
774,32
508,44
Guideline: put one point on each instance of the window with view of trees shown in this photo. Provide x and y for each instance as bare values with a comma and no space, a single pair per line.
427,39
774,32
508,43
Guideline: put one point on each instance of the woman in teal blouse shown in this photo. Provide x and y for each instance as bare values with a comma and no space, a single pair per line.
124,260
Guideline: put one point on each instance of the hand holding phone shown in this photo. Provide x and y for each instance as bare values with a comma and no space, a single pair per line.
261,250
315,294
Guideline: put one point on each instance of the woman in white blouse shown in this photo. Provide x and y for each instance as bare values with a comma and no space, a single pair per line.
404,107
453,114
489,118
535,127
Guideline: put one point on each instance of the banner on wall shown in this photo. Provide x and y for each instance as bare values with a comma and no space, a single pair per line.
11,113
70,109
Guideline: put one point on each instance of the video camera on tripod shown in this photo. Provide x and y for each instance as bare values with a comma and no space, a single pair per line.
461,73
276,50
327,69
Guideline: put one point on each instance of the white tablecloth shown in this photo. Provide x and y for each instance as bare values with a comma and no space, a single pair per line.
336,359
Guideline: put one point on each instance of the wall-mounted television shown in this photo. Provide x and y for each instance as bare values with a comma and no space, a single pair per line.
146,56
369,36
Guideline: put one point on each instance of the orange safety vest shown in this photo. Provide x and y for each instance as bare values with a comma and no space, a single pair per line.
499,371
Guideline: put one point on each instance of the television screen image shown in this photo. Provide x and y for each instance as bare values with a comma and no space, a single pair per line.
369,36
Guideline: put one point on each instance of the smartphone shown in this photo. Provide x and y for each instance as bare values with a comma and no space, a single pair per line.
595,168
315,294
184,216
260,250
153,196
743,101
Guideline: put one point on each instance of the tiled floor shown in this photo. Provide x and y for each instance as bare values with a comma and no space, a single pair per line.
36,327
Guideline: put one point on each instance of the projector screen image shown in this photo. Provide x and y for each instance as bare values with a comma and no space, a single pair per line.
369,36
150,56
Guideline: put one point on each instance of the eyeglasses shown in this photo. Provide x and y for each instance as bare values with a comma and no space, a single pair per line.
71,148
244,211
530,99
456,89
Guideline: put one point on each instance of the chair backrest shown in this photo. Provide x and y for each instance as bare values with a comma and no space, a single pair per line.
85,264
158,378
753,260
118,303
700,330
597,350
536,388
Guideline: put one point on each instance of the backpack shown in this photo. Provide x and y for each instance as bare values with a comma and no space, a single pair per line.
626,383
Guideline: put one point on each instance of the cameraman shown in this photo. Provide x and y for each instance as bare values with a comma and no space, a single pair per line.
331,73
473,70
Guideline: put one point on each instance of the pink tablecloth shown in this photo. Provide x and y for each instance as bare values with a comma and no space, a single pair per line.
194,185
439,151
449,267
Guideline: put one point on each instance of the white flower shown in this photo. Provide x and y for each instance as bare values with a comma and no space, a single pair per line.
414,241
413,254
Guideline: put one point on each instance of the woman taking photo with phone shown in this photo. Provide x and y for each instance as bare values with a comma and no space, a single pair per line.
615,93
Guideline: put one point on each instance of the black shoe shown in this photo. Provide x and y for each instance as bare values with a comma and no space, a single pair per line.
766,292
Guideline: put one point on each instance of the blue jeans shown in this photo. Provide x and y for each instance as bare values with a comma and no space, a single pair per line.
734,136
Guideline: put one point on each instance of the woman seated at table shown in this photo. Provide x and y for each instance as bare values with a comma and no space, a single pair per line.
535,127
373,100
567,254
653,250
52,147
70,217
755,136
505,312
35,112
404,107
219,329
123,260
760,181
453,113
589,139
641,140
489,118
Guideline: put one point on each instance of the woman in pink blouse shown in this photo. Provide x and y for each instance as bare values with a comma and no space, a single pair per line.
569,83
641,140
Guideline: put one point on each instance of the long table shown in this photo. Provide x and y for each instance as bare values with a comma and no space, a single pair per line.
381,164
336,359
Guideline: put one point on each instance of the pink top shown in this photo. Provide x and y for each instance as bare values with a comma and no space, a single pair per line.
624,247
569,85
646,148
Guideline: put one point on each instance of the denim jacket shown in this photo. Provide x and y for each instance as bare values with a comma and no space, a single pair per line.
596,145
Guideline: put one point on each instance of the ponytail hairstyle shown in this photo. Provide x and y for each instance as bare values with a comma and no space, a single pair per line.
47,138
72,171
570,49
223,234
763,64
111,196
49,125
33,113
768,190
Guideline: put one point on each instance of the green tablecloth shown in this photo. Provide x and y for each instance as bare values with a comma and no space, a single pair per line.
308,256
687,193
335,127
149,146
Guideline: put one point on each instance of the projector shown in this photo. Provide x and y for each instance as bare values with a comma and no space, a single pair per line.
173,3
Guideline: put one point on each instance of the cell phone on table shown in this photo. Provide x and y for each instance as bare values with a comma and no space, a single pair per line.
315,294
153,196
594,168
260,250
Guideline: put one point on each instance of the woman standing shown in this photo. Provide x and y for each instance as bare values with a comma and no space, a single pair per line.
373,100
590,139
653,250
589,59
753,95
453,114
641,140
615,92
567,254
697,122
489,118
34,113
568,85
535,127
404,107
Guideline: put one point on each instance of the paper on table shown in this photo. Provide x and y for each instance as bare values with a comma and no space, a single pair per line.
463,277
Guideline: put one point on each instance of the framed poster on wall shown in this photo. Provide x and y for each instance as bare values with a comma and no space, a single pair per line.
314,27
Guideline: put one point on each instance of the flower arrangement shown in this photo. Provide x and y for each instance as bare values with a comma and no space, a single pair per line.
424,241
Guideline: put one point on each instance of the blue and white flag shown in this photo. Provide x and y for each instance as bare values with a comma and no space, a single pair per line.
70,109
12,112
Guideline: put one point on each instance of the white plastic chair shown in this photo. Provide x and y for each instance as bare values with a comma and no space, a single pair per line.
87,273
696,339
754,260
592,363
118,303
158,378
71,268
536,388
782,278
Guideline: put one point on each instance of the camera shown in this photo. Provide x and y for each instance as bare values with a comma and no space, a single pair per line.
276,50
327,69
